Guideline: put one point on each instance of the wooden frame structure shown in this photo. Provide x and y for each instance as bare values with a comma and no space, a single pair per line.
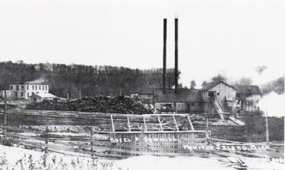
171,117
113,135
155,134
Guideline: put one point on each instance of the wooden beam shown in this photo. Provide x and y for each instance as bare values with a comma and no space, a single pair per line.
129,124
175,123
112,122
160,123
149,132
188,117
91,139
207,127
144,123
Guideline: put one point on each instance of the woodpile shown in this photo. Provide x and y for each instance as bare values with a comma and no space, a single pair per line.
104,104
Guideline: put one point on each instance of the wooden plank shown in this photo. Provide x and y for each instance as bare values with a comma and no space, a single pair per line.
227,141
112,124
88,147
175,123
189,120
167,132
36,144
57,112
145,127
160,124
129,124
251,154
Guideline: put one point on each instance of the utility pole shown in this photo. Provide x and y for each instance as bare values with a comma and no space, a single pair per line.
267,131
5,96
5,105
79,95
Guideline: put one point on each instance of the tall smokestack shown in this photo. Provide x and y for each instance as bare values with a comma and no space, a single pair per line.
164,53
176,54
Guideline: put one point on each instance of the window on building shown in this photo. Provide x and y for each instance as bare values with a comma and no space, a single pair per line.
36,87
17,87
27,87
192,104
11,87
16,94
46,87
28,94
22,94
23,87
39,87
32,87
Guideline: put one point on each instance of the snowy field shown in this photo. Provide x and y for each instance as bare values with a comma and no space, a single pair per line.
18,158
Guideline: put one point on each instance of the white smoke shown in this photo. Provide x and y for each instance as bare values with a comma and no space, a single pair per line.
37,81
273,104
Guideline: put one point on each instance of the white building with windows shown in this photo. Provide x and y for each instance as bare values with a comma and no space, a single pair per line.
8,94
26,90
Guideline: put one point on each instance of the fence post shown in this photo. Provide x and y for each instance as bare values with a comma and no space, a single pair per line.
46,148
46,134
91,140
207,128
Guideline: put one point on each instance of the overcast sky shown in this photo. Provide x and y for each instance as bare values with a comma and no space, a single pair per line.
229,37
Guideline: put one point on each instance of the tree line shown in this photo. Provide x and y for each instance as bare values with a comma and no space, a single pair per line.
82,80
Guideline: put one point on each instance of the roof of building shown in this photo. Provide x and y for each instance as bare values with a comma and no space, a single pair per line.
248,89
45,95
40,81
182,95
208,86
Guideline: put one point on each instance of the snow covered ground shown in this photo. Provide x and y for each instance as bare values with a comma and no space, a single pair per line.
9,156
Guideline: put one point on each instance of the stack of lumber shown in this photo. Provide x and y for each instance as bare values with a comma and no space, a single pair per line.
104,104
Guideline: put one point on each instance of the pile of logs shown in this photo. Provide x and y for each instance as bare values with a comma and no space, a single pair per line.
105,104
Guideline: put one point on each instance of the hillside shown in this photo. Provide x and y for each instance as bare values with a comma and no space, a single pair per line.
276,86
82,79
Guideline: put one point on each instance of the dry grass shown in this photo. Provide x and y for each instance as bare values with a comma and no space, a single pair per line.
49,161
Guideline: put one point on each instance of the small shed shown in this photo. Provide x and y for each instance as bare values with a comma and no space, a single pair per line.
248,97
225,93
248,91
185,100
42,96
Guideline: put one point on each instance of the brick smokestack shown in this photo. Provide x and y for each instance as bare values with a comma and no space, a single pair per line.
176,55
164,53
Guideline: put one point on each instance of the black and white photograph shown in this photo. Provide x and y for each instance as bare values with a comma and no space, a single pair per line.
142,85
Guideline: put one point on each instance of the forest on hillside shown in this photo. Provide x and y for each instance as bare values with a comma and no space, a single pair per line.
82,80
276,85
